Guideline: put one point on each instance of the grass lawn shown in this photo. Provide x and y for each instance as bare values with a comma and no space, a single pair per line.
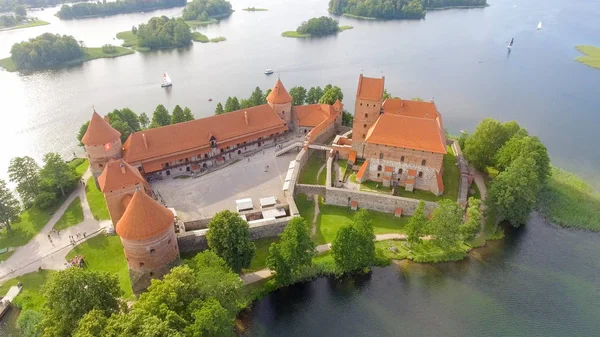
199,37
475,190
568,201
30,296
592,56
308,175
96,201
27,24
4,256
72,216
306,207
80,164
105,253
259,261
425,251
332,218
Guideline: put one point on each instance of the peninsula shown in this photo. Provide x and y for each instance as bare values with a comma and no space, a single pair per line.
96,9
19,20
396,9
316,27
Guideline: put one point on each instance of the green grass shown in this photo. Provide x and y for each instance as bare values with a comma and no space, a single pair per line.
196,23
72,215
451,176
343,28
96,201
31,295
475,190
254,9
306,207
568,201
27,24
218,39
6,255
591,57
308,175
88,55
199,37
259,261
81,165
332,218
105,253
424,252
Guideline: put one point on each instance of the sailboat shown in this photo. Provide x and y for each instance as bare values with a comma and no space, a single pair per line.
539,26
166,81
510,44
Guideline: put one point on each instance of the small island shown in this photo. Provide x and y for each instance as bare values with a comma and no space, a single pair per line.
96,9
19,20
396,9
57,51
254,9
316,27
591,56
204,12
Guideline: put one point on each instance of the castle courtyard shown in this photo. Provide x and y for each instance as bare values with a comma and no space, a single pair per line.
209,194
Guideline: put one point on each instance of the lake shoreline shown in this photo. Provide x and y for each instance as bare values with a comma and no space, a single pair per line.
30,24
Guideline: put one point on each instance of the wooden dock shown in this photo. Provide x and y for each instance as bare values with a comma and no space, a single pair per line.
6,301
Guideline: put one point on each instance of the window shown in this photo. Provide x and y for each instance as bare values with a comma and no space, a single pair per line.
101,165
378,175
381,155
166,164
239,151
141,264
421,174
367,104
366,115
205,155
402,159
398,179
152,251
169,242
423,162
399,171
360,104
364,125
379,167
151,274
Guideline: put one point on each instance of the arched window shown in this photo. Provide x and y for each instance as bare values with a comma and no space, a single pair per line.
379,167
152,251
421,174
399,171
402,159
423,162
381,155
141,264
364,125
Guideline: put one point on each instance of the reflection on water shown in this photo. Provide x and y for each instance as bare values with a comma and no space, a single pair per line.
8,324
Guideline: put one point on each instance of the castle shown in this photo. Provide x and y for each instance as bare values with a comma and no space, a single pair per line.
401,142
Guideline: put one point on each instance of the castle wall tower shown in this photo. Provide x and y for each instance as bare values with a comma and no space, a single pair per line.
102,143
367,109
338,107
149,241
117,181
281,101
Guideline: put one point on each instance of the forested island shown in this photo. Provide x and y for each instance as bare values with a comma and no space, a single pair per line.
317,27
9,5
94,9
19,19
52,50
201,12
396,9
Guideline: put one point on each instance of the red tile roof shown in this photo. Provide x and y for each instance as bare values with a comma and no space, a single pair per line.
407,132
352,156
279,95
99,132
313,114
338,105
362,170
398,211
404,107
118,174
144,218
370,88
180,139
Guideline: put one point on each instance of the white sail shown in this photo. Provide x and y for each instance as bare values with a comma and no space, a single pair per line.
166,80
539,26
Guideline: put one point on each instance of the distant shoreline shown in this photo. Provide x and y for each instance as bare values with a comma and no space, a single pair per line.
35,23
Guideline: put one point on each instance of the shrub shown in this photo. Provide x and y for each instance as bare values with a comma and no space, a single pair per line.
45,200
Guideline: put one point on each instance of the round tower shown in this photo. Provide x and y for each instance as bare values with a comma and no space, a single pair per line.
148,236
281,101
102,143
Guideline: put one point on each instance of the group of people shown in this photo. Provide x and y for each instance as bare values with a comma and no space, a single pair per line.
77,261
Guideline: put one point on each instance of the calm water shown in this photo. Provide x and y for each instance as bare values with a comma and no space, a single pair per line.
539,281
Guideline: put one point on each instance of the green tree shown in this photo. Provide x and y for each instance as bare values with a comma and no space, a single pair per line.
25,173
44,51
177,116
211,320
57,173
160,117
363,224
386,94
321,26
417,225
512,194
20,10
298,95
469,229
345,250
462,139
314,95
28,323
219,110
187,114
127,116
481,147
82,131
445,224
229,237
528,147
294,251
257,97
347,118
72,293
122,127
232,104
244,104
331,95
92,324
144,120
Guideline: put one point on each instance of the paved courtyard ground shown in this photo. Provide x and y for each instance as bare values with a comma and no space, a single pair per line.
205,196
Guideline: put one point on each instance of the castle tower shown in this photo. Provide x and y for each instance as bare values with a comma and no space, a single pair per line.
281,101
338,107
148,236
369,96
102,143
118,180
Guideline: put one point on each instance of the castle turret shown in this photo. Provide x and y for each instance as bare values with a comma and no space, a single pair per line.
102,143
149,241
338,107
118,180
281,101
367,109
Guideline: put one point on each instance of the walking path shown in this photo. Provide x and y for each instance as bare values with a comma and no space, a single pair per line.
41,252
317,212
480,182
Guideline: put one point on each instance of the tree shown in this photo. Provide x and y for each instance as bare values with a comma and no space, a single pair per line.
463,138
481,147
45,51
126,115
386,94
28,323
314,95
45,200
229,237
331,95
319,26
345,250
362,223
25,173
57,173
211,319
177,116
122,127
513,192
298,95
257,97
160,117
72,293
20,10
144,120
187,114
528,147
469,229
232,104
219,110
92,324
417,225
347,118
294,251
444,224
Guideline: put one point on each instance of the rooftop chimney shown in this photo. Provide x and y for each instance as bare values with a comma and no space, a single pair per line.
246,117
122,166
144,139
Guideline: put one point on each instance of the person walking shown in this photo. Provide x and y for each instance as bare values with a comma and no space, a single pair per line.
49,238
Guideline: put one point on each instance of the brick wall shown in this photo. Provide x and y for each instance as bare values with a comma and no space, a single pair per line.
309,190
196,224
411,157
